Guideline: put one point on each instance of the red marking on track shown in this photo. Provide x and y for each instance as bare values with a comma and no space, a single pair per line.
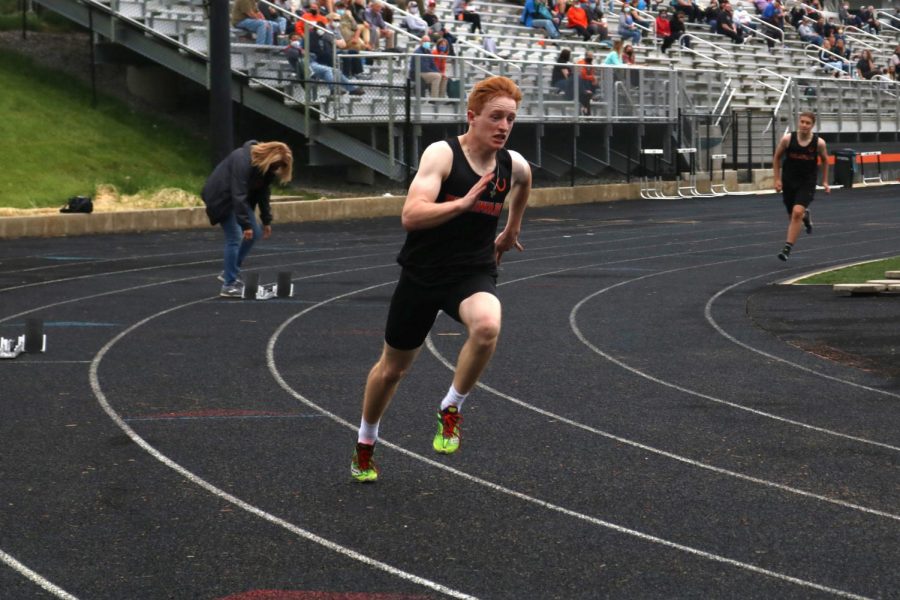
299,595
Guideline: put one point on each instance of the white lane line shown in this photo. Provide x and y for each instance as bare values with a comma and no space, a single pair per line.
273,368
577,331
665,453
194,277
35,577
222,494
712,321
182,264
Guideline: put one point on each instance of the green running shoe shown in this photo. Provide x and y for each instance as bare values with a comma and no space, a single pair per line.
362,467
446,440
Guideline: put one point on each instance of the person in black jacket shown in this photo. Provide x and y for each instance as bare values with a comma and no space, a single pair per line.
237,186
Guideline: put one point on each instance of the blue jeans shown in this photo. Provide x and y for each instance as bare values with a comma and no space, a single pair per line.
265,32
326,74
236,247
547,25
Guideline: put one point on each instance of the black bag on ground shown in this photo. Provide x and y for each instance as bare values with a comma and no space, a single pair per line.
78,204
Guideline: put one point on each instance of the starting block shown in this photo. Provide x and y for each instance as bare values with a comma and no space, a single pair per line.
32,341
283,288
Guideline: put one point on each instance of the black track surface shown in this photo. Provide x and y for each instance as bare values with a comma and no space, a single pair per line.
659,420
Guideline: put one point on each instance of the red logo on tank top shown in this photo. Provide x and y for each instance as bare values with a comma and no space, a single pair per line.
484,207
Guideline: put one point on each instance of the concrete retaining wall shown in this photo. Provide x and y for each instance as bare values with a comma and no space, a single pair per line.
291,211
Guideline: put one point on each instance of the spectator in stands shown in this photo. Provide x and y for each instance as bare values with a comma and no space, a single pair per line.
321,62
245,15
536,14
628,54
866,68
436,27
275,17
595,17
422,64
808,34
796,16
628,29
358,11
743,20
614,57
725,24
676,26
442,49
587,81
378,28
577,19
844,14
312,15
349,60
661,25
866,20
774,16
894,64
711,15
561,76
354,33
412,22
832,60
463,10
693,12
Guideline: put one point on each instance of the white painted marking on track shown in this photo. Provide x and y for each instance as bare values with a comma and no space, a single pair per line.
665,453
35,577
574,325
222,494
270,360
711,320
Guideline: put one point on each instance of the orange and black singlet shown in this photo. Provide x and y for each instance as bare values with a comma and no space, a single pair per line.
801,162
465,243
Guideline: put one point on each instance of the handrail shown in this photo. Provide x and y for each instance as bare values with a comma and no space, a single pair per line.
771,72
821,11
891,17
755,19
775,110
725,88
866,33
859,42
698,53
819,50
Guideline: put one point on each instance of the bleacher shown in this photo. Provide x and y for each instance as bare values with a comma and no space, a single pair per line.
714,76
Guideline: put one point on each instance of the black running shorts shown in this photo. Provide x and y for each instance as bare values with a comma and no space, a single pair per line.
414,307
794,193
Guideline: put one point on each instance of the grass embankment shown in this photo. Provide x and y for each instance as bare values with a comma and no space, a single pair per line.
855,274
55,145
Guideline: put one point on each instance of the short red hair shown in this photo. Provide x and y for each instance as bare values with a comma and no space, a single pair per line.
490,88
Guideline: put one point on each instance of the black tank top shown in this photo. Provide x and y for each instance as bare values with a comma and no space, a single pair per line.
465,243
800,162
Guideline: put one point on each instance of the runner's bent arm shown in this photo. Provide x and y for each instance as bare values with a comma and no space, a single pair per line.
518,199
421,209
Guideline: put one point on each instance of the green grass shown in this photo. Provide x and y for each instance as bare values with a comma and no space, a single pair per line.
55,145
855,274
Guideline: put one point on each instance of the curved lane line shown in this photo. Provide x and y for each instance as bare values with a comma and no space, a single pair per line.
577,331
222,494
707,312
270,360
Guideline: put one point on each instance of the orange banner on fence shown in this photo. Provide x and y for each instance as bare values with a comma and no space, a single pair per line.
885,158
